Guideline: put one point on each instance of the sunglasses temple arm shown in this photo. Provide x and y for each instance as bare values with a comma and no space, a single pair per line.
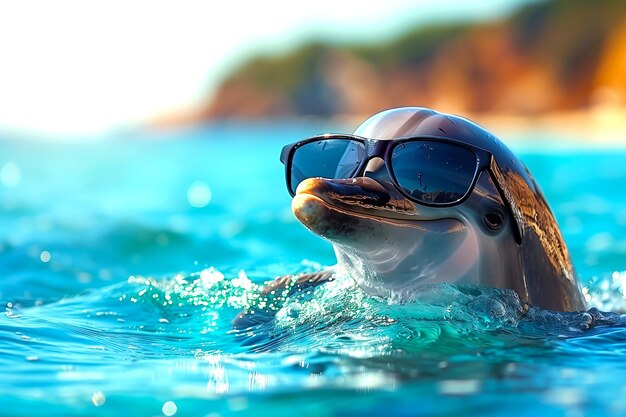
498,179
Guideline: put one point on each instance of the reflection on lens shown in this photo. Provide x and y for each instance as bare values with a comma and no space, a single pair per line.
326,158
434,172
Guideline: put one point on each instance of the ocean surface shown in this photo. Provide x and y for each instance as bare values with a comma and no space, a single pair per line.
124,259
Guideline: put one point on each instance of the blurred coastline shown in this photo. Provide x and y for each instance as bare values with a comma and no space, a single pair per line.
550,65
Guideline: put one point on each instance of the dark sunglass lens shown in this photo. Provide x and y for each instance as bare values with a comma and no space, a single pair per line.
434,172
327,158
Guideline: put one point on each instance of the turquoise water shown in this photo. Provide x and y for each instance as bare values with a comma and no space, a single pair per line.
124,260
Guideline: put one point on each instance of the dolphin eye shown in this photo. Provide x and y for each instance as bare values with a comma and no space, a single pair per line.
494,220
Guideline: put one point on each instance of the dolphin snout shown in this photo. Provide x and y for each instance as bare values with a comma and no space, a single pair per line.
357,193
358,190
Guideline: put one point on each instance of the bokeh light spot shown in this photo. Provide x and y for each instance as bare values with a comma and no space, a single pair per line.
98,398
10,175
199,194
169,408
45,256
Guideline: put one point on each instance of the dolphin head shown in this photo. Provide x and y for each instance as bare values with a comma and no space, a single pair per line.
392,245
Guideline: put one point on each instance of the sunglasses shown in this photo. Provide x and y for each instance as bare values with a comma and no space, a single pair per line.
429,170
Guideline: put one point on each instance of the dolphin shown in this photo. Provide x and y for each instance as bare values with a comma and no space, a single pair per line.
502,235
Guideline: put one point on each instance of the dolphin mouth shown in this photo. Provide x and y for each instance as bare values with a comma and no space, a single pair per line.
337,216
362,196
345,226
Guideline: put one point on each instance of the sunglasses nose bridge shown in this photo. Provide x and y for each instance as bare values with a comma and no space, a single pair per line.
376,168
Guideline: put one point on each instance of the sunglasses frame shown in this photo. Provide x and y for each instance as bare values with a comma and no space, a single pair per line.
384,149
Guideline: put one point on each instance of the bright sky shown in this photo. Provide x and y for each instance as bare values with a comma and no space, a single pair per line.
76,66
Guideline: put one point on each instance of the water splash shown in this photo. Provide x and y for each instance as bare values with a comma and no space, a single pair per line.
207,288
339,317
336,317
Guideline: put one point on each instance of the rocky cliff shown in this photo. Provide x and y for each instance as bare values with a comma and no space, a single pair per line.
549,56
